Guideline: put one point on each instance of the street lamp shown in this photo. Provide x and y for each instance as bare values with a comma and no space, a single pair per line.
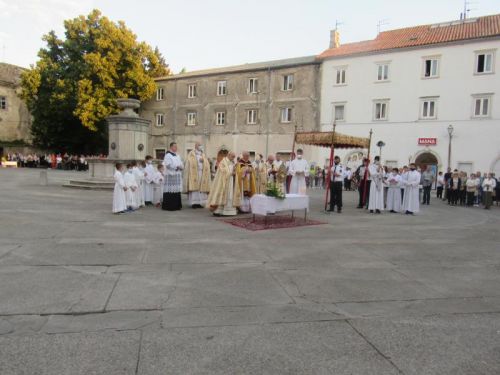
450,133
380,144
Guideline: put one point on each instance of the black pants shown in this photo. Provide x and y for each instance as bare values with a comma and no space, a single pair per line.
347,184
462,196
171,202
453,196
439,192
361,192
427,194
470,198
336,195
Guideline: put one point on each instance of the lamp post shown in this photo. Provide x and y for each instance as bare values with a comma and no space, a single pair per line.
380,144
450,133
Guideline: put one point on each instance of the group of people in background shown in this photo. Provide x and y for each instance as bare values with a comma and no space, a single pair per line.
61,161
473,190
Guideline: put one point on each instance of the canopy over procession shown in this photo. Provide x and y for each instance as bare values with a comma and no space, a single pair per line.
226,185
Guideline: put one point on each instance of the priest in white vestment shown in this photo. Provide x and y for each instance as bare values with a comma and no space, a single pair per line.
149,173
411,201
299,170
376,172
394,191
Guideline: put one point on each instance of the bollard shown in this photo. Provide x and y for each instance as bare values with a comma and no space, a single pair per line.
44,181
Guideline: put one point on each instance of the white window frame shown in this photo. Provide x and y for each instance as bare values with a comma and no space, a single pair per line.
426,106
252,116
288,82
220,118
382,72
339,104
3,103
253,85
191,90
160,93
286,115
340,76
436,70
160,120
490,53
383,103
221,88
482,98
191,118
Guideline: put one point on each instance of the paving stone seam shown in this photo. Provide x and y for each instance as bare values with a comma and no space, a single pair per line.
387,358
111,293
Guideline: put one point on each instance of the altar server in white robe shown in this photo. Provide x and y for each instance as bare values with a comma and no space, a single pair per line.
131,185
149,173
411,202
299,170
394,191
376,201
119,200
158,181
139,178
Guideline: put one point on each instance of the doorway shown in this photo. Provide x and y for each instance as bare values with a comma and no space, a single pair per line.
426,161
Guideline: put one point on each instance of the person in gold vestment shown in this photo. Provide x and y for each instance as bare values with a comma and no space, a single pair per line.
223,191
245,181
197,179
261,174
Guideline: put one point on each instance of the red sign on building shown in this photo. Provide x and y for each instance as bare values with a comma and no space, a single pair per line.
427,141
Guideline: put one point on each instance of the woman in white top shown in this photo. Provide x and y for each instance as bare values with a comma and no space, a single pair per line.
488,187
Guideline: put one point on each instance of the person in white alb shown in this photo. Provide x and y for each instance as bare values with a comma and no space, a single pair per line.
139,178
376,173
299,170
149,173
131,185
337,175
119,199
394,191
411,202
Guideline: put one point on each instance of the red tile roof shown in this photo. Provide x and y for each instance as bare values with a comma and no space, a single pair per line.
472,28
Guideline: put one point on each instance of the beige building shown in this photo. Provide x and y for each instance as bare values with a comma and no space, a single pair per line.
15,120
254,107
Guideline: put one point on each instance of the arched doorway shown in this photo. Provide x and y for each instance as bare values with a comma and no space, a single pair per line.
426,160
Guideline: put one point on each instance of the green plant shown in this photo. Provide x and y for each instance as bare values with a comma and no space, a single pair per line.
275,190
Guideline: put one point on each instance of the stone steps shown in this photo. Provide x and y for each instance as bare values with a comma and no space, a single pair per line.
90,184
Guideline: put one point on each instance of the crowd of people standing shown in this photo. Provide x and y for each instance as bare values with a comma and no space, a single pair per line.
60,161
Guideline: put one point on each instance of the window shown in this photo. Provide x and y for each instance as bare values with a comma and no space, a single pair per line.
160,119
339,111
191,118
221,88
428,108
3,102
380,110
382,72
253,86
481,106
288,82
286,114
220,118
159,153
159,93
340,76
431,67
192,90
484,62
252,116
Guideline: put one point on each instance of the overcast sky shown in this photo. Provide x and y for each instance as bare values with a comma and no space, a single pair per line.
199,34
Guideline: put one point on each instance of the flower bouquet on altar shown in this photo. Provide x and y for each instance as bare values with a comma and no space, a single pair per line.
275,190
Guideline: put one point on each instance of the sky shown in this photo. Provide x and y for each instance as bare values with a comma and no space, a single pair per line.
201,34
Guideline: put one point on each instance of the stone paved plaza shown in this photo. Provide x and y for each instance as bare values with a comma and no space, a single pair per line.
85,292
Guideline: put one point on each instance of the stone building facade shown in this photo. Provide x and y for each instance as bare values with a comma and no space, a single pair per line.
15,120
254,107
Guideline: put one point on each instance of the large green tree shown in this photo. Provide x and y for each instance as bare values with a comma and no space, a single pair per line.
73,86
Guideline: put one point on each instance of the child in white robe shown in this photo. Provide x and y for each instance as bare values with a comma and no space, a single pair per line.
119,200
394,191
149,172
139,178
158,179
131,185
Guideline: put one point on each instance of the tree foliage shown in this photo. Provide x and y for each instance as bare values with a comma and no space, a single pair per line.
73,86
